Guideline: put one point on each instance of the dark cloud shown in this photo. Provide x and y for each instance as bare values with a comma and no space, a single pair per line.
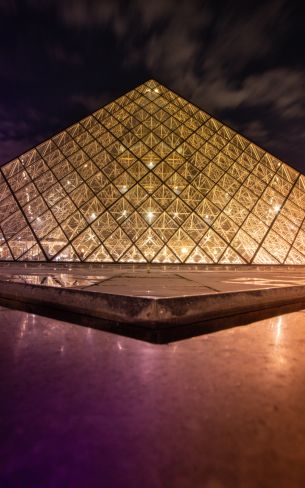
242,62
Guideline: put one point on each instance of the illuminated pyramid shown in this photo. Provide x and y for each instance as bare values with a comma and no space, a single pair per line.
151,178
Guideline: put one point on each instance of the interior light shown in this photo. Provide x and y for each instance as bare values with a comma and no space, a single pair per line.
150,165
150,215
93,215
277,208
184,250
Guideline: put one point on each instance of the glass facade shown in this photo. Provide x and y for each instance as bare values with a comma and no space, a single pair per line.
151,178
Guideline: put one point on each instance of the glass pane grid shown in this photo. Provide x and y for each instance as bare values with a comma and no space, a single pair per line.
151,178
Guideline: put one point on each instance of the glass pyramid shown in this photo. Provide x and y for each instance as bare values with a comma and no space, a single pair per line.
151,178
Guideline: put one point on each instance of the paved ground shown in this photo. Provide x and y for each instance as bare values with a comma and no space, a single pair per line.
161,282
85,408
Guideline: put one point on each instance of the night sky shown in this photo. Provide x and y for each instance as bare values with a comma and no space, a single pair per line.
241,61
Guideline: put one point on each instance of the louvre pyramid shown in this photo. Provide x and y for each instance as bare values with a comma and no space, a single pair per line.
151,178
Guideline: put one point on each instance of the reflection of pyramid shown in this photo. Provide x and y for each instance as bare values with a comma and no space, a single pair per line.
151,178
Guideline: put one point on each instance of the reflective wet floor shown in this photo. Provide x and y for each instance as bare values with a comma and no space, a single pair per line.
85,408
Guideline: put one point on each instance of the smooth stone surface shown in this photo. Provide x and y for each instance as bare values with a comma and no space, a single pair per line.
85,408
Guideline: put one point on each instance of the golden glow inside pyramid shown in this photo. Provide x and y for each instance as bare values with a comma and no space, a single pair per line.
151,178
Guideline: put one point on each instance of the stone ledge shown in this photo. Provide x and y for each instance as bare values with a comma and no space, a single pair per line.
151,312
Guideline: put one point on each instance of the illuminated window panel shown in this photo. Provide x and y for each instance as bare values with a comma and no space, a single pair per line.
120,210
195,227
43,224
204,132
150,183
78,158
208,150
288,173
85,243
181,244
48,147
37,168
13,167
229,184
263,257
19,180
208,211
231,257
13,224
236,211
97,182
149,244
213,245
92,209
263,173
225,227
298,197
246,197
137,170
7,207
276,246
33,254
299,242
62,209
201,183
213,172
166,256
100,255
223,161
255,227
134,226
178,211
22,242
45,181
175,159
151,178
265,212
51,196
4,191
117,243
285,228
73,225
35,208
69,148
164,196
108,195
294,213
5,254
218,141
165,226
219,196
244,245
54,242
254,184
133,255
150,210
281,185
68,254
136,195
198,256
294,257
300,183
87,170
238,172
